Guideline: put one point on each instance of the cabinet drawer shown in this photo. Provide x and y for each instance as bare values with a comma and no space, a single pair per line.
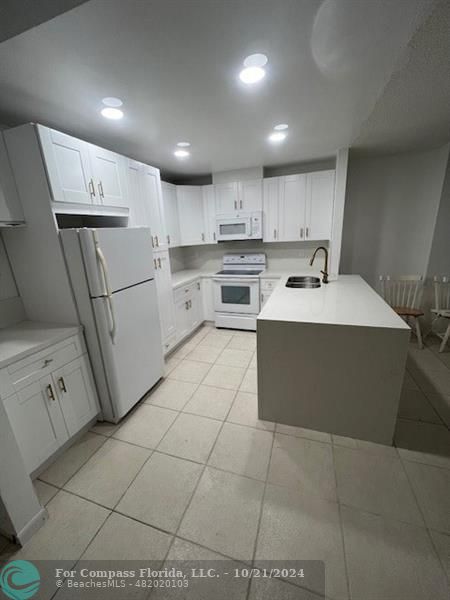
268,285
184,292
33,367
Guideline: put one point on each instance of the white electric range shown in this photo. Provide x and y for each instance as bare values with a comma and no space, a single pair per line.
237,290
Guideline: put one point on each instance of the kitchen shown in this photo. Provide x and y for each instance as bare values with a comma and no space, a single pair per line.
171,312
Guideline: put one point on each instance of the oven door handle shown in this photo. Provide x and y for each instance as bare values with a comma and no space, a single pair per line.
236,280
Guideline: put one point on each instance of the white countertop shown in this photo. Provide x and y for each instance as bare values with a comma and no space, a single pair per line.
27,337
187,276
347,301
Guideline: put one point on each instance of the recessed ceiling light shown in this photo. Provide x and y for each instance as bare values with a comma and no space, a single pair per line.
183,144
182,153
281,127
112,113
256,60
277,136
253,71
113,102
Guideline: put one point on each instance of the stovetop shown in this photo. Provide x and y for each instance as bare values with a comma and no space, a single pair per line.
239,272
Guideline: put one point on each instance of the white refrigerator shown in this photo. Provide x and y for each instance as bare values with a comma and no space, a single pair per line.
112,276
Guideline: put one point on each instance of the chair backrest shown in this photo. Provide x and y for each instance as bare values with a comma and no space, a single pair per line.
402,290
441,293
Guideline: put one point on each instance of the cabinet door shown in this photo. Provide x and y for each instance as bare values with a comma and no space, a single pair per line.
10,207
68,167
190,211
76,393
271,209
292,208
319,208
227,201
196,306
208,299
164,289
136,215
37,421
209,210
109,171
182,319
250,195
151,185
170,211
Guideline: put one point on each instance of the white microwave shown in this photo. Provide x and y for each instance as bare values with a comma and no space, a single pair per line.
241,226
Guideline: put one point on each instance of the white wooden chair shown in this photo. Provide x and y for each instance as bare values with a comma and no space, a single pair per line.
441,308
403,293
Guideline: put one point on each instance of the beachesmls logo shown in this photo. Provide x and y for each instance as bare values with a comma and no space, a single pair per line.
19,580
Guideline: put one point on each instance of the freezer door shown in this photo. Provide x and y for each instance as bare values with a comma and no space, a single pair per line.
133,362
116,258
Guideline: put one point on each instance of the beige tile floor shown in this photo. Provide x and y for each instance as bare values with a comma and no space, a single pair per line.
192,472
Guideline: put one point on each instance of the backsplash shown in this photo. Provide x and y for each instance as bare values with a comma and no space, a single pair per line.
286,256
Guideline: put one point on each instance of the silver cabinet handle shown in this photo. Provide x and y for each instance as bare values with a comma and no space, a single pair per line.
91,188
186,305
307,232
168,239
62,384
100,190
154,263
198,285
156,241
240,203
203,237
153,242
214,236
274,234
159,262
47,361
50,394
235,205
301,232
190,303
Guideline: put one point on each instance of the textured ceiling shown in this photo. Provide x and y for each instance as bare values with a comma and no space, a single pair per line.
175,64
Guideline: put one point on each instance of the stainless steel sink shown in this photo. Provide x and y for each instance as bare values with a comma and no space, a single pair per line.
303,282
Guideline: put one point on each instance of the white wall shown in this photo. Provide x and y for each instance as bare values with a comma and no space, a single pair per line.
11,307
287,256
238,175
390,213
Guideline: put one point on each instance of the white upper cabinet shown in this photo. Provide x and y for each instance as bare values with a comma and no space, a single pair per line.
68,167
271,209
109,173
239,196
170,210
191,215
137,215
319,206
250,196
151,186
209,211
292,207
10,207
298,207
82,173
227,201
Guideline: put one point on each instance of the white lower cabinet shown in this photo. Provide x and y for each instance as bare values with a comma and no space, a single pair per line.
163,279
188,308
47,402
208,299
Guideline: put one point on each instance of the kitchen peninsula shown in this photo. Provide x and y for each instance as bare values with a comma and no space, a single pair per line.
331,359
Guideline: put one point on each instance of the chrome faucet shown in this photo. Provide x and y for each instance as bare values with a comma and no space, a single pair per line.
325,271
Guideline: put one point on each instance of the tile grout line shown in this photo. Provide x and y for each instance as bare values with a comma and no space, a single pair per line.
261,509
427,528
341,524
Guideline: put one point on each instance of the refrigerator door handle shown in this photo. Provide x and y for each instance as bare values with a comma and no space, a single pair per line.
107,293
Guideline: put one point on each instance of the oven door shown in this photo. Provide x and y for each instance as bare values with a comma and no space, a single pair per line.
237,228
236,295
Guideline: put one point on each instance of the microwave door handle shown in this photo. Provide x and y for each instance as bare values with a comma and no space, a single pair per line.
108,292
